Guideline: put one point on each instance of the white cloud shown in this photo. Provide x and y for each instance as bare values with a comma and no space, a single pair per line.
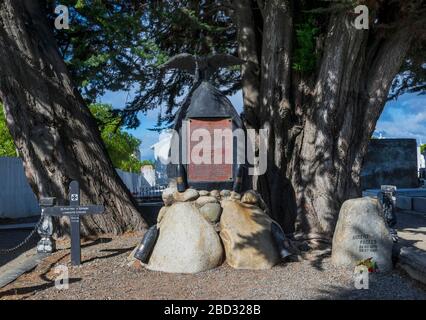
404,118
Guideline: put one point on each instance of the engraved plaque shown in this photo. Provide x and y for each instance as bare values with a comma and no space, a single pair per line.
366,243
215,149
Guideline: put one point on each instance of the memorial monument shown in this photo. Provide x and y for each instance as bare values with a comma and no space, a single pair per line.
208,218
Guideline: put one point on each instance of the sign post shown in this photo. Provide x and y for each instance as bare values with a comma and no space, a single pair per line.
74,211
74,194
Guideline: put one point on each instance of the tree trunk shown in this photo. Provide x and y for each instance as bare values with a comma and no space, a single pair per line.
53,130
266,91
318,134
349,95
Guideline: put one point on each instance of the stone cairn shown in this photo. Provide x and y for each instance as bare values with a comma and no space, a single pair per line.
199,230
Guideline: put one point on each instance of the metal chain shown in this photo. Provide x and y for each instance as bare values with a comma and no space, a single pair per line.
25,241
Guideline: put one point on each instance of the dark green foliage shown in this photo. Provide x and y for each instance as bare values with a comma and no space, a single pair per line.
304,59
7,146
117,45
412,77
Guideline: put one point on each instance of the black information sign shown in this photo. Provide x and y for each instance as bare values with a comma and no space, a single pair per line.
74,211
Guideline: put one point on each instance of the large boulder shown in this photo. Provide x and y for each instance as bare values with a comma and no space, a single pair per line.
361,233
245,231
187,243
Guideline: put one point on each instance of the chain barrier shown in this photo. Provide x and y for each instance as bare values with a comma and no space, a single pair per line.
25,241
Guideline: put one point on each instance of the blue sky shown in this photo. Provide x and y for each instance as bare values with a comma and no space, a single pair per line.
402,118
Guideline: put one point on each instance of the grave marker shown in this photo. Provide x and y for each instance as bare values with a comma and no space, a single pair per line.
361,233
74,211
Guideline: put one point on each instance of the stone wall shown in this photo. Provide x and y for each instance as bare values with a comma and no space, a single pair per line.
390,161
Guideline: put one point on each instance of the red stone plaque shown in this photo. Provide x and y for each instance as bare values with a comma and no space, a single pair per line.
221,154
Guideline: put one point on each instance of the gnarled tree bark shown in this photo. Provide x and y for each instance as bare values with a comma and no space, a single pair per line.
319,124
53,129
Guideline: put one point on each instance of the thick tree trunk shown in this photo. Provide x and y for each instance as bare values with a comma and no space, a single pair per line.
54,131
350,92
266,91
318,135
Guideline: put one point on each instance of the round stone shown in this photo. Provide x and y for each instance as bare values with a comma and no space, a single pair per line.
203,193
167,196
211,212
188,195
215,193
250,197
225,194
201,201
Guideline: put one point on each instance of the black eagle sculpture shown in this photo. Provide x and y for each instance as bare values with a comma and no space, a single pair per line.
201,67
203,100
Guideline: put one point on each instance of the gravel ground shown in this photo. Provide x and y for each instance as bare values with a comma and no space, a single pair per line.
105,275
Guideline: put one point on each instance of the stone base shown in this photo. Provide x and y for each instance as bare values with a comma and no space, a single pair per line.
196,227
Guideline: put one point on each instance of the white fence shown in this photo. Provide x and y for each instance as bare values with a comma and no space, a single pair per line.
135,182
17,199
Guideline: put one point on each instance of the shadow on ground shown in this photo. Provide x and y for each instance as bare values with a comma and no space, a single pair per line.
115,252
